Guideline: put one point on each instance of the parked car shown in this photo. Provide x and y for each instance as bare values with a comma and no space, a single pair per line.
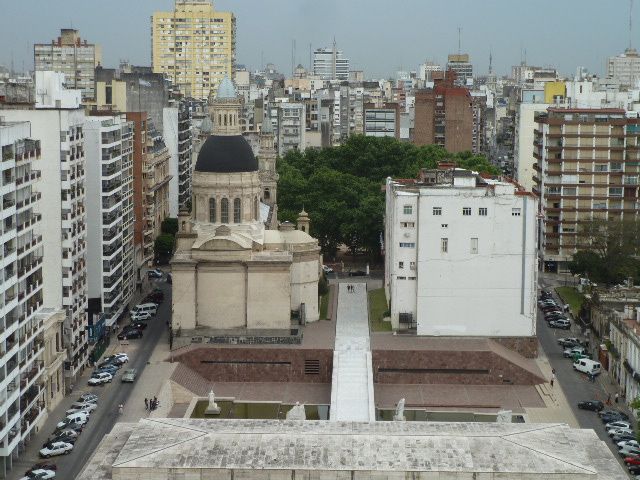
572,352
569,342
62,438
631,443
560,323
42,466
595,405
88,397
87,407
618,424
109,369
136,326
327,269
141,317
634,469
129,375
155,296
617,431
129,334
623,437
632,460
120,357
100,378
39,474
68,432
76,427
585,365
73,420
606,414
629,451
154,273
150,308
111,362
56,448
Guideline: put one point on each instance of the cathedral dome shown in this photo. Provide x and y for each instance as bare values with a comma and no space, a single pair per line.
226,154
226,90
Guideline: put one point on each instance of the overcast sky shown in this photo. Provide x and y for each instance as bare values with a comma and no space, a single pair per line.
379,36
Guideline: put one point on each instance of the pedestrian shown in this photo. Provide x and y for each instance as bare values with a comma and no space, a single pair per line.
609,399
146,404
120,409
615,399
553,378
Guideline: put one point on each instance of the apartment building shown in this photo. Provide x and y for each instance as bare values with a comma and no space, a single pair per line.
178,138
330,64
587,167
74,57
110,259
382,121
444,116
624,69
57,120
290,129
194,46
460,255
460,64
30,380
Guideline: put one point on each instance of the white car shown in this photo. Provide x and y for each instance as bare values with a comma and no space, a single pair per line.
618,424
68,432
87,407
88,404
40,474
629,451
619,431
122,356
100,378
87,397
56,448
140,316
631,443
327,269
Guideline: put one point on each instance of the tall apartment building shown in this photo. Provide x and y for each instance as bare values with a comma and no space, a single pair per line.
30,381
290,129
110,251
74,57
330,64
444,116
382,121
587,167
624,69
57,120
459,63
460,255
179,141
194,46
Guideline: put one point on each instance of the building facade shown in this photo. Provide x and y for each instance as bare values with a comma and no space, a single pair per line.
330,64
110,250
382,121
624,69
74,57
290,127
459,63
194,46
460,255
179,141
587,167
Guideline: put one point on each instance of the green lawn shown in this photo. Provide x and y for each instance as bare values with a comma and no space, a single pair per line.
377,308
324,306
571,296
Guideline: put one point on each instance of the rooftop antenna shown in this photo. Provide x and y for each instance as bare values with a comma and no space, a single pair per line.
333,58
293,56
459,42
630,22
490,62
262,60
310,59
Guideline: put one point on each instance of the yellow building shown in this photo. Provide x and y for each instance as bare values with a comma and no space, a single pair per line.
554,92
194,46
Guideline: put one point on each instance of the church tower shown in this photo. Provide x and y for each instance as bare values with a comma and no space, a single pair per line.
225,110
267,161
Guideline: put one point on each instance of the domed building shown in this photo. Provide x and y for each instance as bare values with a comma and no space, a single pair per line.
230,271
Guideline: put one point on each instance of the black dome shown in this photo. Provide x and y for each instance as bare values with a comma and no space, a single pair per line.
226,154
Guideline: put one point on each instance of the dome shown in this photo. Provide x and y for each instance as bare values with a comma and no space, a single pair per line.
226,154
226,89
206,127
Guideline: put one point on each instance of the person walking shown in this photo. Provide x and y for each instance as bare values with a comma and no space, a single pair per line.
615,399
553,378
120,409
609,399
146,404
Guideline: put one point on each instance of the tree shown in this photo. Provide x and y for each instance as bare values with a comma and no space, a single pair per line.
163,246
169,225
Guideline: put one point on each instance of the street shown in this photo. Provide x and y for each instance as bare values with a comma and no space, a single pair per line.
576,386
109,397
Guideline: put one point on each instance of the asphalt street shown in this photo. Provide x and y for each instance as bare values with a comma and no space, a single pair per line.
109,397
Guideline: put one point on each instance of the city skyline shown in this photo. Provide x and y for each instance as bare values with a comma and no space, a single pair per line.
554,35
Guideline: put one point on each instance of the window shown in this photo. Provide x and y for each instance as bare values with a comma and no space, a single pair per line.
474,246
515,212
412,265
444,245
408,209
437,210
212,210
407,245
402,278
466,211
237,211
444,225
616,166
267,193
400,264
411,278
407,224
482,211
224,210
255,208
615,191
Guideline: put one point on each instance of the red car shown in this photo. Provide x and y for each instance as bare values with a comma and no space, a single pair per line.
632,460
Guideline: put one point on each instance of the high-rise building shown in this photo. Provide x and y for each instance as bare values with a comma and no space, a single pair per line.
382,121
194,46
291,121
444,116
57,120
330,64
588,165
455,240
178,138
459,63
74,57
110,258
624,69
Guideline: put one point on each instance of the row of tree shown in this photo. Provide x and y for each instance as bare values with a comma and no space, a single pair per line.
342,187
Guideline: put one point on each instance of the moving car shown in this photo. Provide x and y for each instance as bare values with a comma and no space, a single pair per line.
129,375
39,474
129,334
595,405
560,323
56,448
154,273
100,378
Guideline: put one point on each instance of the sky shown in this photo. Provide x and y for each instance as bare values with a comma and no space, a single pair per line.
378,36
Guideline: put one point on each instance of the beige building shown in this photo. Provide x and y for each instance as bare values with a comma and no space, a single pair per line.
194,45
54,356
229,270
587,167
74,57
156,179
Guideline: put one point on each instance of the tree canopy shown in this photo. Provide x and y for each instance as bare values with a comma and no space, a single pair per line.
342,187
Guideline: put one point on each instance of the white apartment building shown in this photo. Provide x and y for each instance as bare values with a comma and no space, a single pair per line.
177,136
110,246
291,127
525,127
460,255
57,120
330,64
624,69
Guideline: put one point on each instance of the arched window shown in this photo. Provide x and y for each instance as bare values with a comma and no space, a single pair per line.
237,210
267,193
224,210
225,119
212,210
219,119
255,208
